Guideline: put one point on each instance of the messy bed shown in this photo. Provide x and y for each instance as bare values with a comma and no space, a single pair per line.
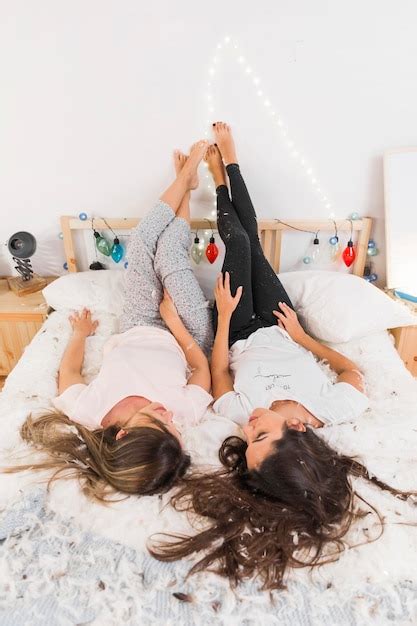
67,560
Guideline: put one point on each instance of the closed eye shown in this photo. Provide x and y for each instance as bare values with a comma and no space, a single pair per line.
259,437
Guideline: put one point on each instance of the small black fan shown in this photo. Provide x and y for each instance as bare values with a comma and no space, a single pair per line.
22,245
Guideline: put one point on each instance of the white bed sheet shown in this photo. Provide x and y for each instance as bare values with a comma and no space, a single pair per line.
385,437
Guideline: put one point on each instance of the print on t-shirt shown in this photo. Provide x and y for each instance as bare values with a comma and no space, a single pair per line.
274,380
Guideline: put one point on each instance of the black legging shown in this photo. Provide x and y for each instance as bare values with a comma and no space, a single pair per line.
245,261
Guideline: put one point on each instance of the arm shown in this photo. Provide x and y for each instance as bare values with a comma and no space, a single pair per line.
220,372
226,304
72,360
346,369
196,359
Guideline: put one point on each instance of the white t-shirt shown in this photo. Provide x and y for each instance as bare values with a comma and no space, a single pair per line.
143,361
270,366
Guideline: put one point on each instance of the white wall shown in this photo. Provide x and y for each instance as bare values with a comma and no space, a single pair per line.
96,94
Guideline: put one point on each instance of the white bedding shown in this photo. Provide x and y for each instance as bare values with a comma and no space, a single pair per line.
385,437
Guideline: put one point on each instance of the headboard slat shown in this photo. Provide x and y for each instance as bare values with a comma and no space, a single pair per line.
277,251
267,245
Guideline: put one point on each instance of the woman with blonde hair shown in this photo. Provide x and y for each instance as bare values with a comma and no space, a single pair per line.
123,430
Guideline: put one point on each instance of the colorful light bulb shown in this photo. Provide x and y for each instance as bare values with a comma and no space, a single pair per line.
197,250
349,254
117,250
334,247
212,251
313,252
102,244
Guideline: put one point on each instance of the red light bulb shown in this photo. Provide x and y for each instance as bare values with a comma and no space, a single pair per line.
349,254
212,251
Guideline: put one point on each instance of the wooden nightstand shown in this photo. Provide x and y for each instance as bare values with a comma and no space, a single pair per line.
406,338
20,319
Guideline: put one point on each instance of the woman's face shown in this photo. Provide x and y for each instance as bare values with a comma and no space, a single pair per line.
138,411
263,429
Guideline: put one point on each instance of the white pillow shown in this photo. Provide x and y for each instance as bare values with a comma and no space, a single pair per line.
99,290
339,307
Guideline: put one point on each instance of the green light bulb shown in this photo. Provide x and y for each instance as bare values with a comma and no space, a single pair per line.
102,244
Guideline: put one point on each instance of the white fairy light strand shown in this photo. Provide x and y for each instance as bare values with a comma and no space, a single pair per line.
232,47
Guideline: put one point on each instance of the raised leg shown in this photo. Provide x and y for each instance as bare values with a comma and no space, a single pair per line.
173,268
237,262
187,178
143,289
267,289
180,160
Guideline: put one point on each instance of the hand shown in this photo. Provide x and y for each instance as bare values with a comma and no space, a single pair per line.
287,319
226,303
168,310
82,324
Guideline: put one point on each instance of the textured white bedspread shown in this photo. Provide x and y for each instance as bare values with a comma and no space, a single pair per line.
385,438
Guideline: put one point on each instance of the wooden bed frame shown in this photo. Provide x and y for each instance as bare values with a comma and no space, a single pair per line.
270,234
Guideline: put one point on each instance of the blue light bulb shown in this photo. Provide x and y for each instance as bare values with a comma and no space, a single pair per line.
117,251
371,244
83,216
333,240
307,260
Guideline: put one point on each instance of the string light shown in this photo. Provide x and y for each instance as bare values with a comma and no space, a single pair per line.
212,251
349,253
197,249
102,244
335,244
117,250
230,47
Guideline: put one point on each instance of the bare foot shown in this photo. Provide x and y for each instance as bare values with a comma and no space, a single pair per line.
224,140
179,160
190,167
214,161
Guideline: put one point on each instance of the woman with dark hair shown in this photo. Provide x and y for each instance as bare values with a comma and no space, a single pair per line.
285,498
271,361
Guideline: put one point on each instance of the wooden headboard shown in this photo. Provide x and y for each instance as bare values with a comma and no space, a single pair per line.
270,234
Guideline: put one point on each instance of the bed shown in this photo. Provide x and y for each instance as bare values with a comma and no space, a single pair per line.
65,560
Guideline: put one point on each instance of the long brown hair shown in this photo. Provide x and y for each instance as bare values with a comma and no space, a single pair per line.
144,462
293,511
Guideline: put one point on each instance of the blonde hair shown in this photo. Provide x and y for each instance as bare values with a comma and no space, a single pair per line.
147,460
